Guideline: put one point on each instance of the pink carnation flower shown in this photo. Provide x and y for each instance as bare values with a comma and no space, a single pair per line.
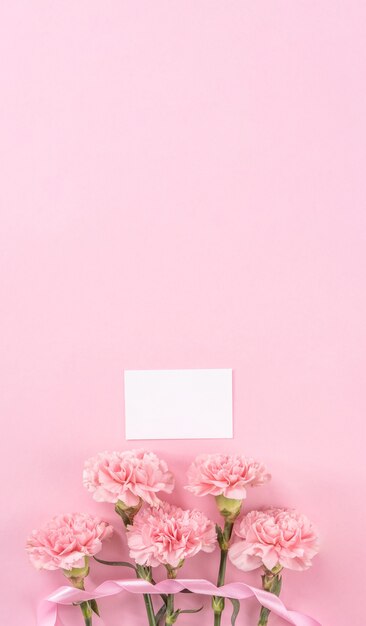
66,540
274,537
223,474
168,535
129,476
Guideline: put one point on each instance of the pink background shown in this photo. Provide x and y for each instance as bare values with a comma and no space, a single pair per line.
182,185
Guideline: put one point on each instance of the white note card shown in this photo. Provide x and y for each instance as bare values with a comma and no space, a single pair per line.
178,404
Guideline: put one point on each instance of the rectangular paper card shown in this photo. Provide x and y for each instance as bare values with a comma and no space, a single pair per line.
178,404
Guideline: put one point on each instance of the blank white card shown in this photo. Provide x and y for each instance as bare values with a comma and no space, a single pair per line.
178,404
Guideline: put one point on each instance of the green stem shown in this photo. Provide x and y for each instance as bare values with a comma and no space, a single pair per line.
169,619
222,568
149,609
145,574
217,619
127,514
171,615
86,607
263,617
87,613
218,603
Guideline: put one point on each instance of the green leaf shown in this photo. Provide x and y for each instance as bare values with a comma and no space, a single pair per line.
116,563
160,614
236,609
181,611
94,607
219,533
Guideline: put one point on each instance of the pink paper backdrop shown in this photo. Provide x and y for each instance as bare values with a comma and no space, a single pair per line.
182,185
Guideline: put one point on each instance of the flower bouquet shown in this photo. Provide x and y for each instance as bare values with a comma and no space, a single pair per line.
162,534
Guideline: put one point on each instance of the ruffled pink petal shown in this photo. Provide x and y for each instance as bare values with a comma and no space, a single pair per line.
228,475
241,559
66,540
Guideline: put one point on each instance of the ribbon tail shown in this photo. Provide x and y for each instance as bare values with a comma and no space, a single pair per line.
47,614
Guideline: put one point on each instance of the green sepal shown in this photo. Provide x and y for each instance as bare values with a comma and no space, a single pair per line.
277,584
144,573
229,507
76,575
127,513
272,582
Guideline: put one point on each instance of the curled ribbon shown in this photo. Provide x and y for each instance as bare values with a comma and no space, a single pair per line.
47,613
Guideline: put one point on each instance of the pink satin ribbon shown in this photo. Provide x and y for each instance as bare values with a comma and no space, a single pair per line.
48,614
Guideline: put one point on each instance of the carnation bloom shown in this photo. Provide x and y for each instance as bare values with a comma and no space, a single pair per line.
168,535
128,477
225,475
66,540
274,538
